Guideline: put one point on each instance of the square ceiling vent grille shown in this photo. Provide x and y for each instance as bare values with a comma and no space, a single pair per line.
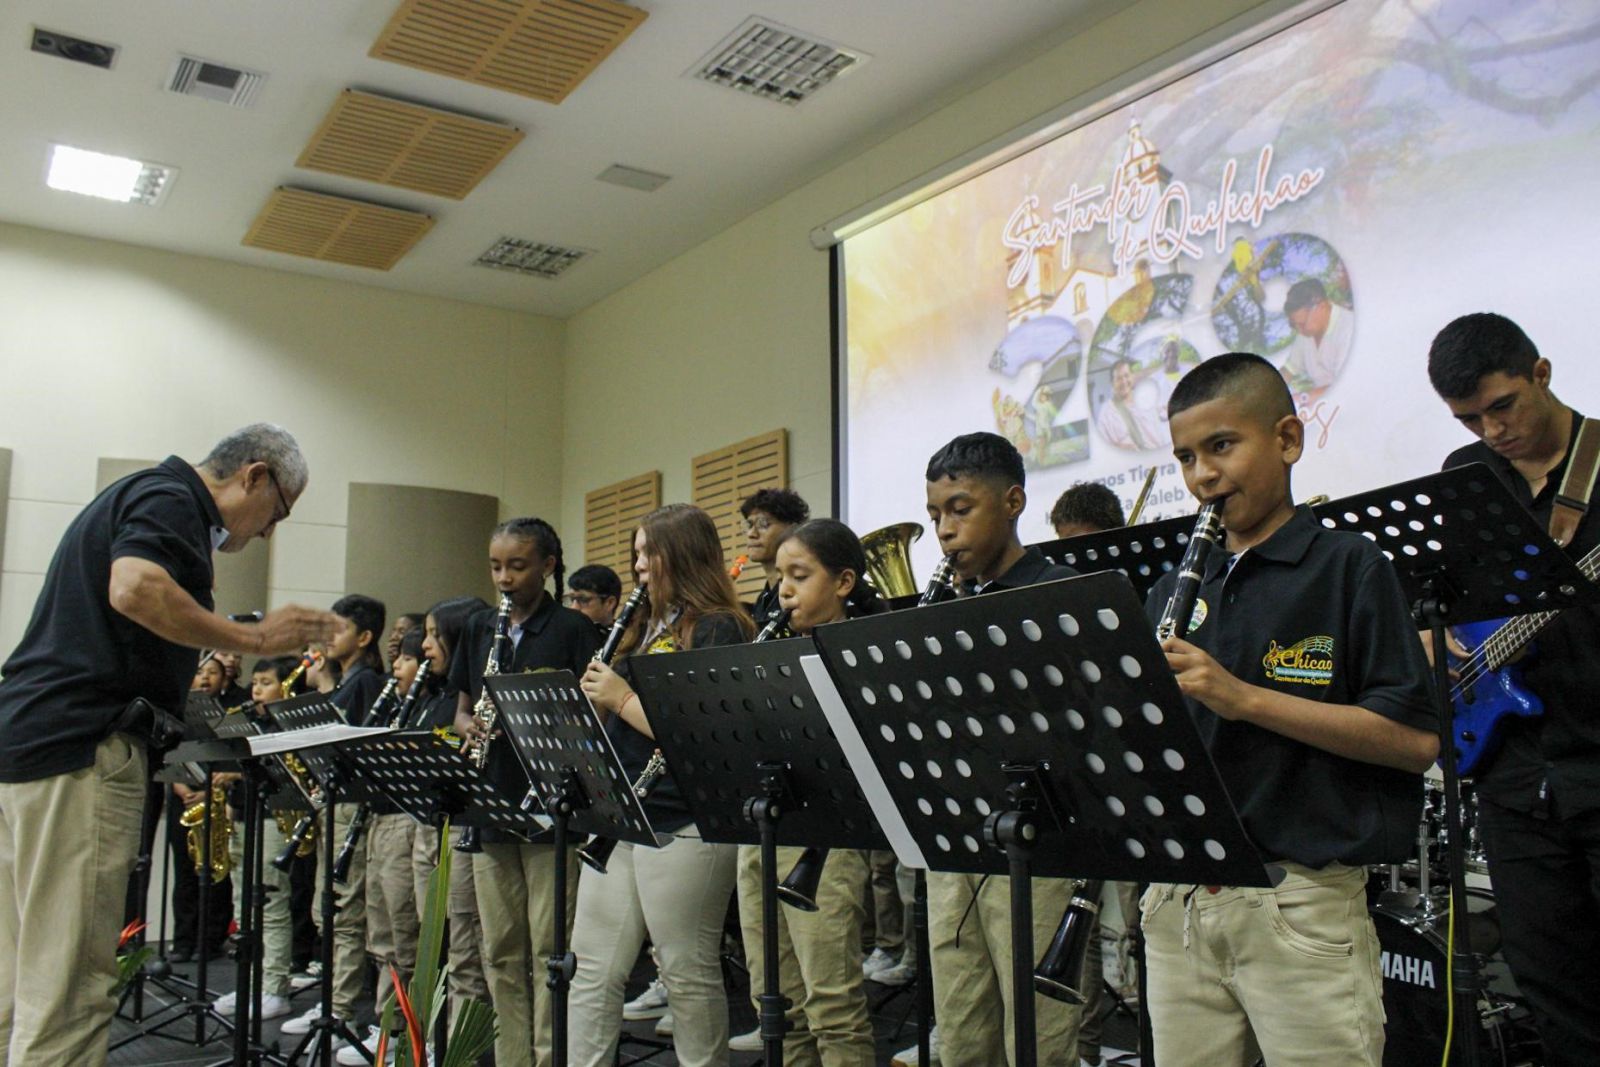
337,229
774,62
537,48
396,143
530,257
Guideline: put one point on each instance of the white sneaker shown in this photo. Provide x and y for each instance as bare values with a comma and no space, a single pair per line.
273,1006
301,1024
750,1042
897,975
878,961
651,1004
908,1057
664,1024
226,1004
311,976
352,1055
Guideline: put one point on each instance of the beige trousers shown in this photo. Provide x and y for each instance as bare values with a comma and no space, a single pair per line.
464,968
391,900
1290,973
515,886
969,938
889,929
67,845
277,927
819,959
677,895
349,921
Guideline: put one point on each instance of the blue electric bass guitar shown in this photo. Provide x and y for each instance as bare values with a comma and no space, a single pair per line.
1489,689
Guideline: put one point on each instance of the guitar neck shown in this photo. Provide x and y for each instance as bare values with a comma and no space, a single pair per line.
1504,644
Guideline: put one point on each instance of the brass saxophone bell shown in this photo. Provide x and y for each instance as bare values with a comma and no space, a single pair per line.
888,554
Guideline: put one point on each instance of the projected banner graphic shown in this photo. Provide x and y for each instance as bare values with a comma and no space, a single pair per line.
1328,198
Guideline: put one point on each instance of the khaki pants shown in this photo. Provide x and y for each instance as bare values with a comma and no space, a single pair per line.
972,989
905,880
889,930
515,887
349,921
391,901
464,971
1291,973
67,845
678,895
277,927
818,961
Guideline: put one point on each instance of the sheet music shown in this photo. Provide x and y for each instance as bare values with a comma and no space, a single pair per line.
312,737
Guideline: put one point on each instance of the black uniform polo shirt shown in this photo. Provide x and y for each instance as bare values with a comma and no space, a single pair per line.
1556,755
1317,614
552,638
766,608
664,807
80,662
1032,569
357,691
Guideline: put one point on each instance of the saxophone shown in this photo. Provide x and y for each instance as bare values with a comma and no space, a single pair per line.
193,819
486,712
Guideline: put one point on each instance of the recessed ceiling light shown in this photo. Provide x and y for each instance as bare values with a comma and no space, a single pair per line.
769,60
530,257
127,181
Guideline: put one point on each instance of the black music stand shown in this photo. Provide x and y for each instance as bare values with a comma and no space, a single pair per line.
1043,723
1143,553
197,757
754,756
1465,551
311,716
575,778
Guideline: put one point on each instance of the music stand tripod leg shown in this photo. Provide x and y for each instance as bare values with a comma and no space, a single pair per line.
1017,832
561,964
919,912
764,812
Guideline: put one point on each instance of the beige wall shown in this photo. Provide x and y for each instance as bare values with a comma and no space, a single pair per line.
111,350
411,547
732,338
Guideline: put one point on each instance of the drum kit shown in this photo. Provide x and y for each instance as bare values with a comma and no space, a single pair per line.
1409,904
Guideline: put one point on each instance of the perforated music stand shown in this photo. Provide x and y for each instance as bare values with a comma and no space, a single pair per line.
1044,723
758,764
574,777
1465,550
1143,553
425,776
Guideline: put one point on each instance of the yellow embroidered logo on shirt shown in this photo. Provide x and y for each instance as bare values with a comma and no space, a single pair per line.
1308,662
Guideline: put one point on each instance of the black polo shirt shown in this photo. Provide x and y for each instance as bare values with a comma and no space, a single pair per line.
1032,569
766,608
1555,756
356,692
80,662
552,638
1317,614
664,806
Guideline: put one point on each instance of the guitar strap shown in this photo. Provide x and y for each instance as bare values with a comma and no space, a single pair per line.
1577,485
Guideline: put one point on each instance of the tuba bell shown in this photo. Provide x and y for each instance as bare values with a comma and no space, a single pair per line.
888,554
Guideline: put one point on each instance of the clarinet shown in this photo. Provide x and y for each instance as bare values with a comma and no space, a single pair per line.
596,850
396,720
486,712
940,586
1059,974
1191,572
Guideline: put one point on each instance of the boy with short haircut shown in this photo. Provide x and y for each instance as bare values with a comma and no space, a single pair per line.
1322,761
769,514
975,497
354,651
1087,507
594,591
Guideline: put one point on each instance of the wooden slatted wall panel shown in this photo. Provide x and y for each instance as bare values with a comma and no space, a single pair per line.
724,478
611,514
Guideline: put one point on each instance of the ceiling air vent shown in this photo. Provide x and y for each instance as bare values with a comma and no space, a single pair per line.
235,86
530,257
633,178
774,62
65,46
